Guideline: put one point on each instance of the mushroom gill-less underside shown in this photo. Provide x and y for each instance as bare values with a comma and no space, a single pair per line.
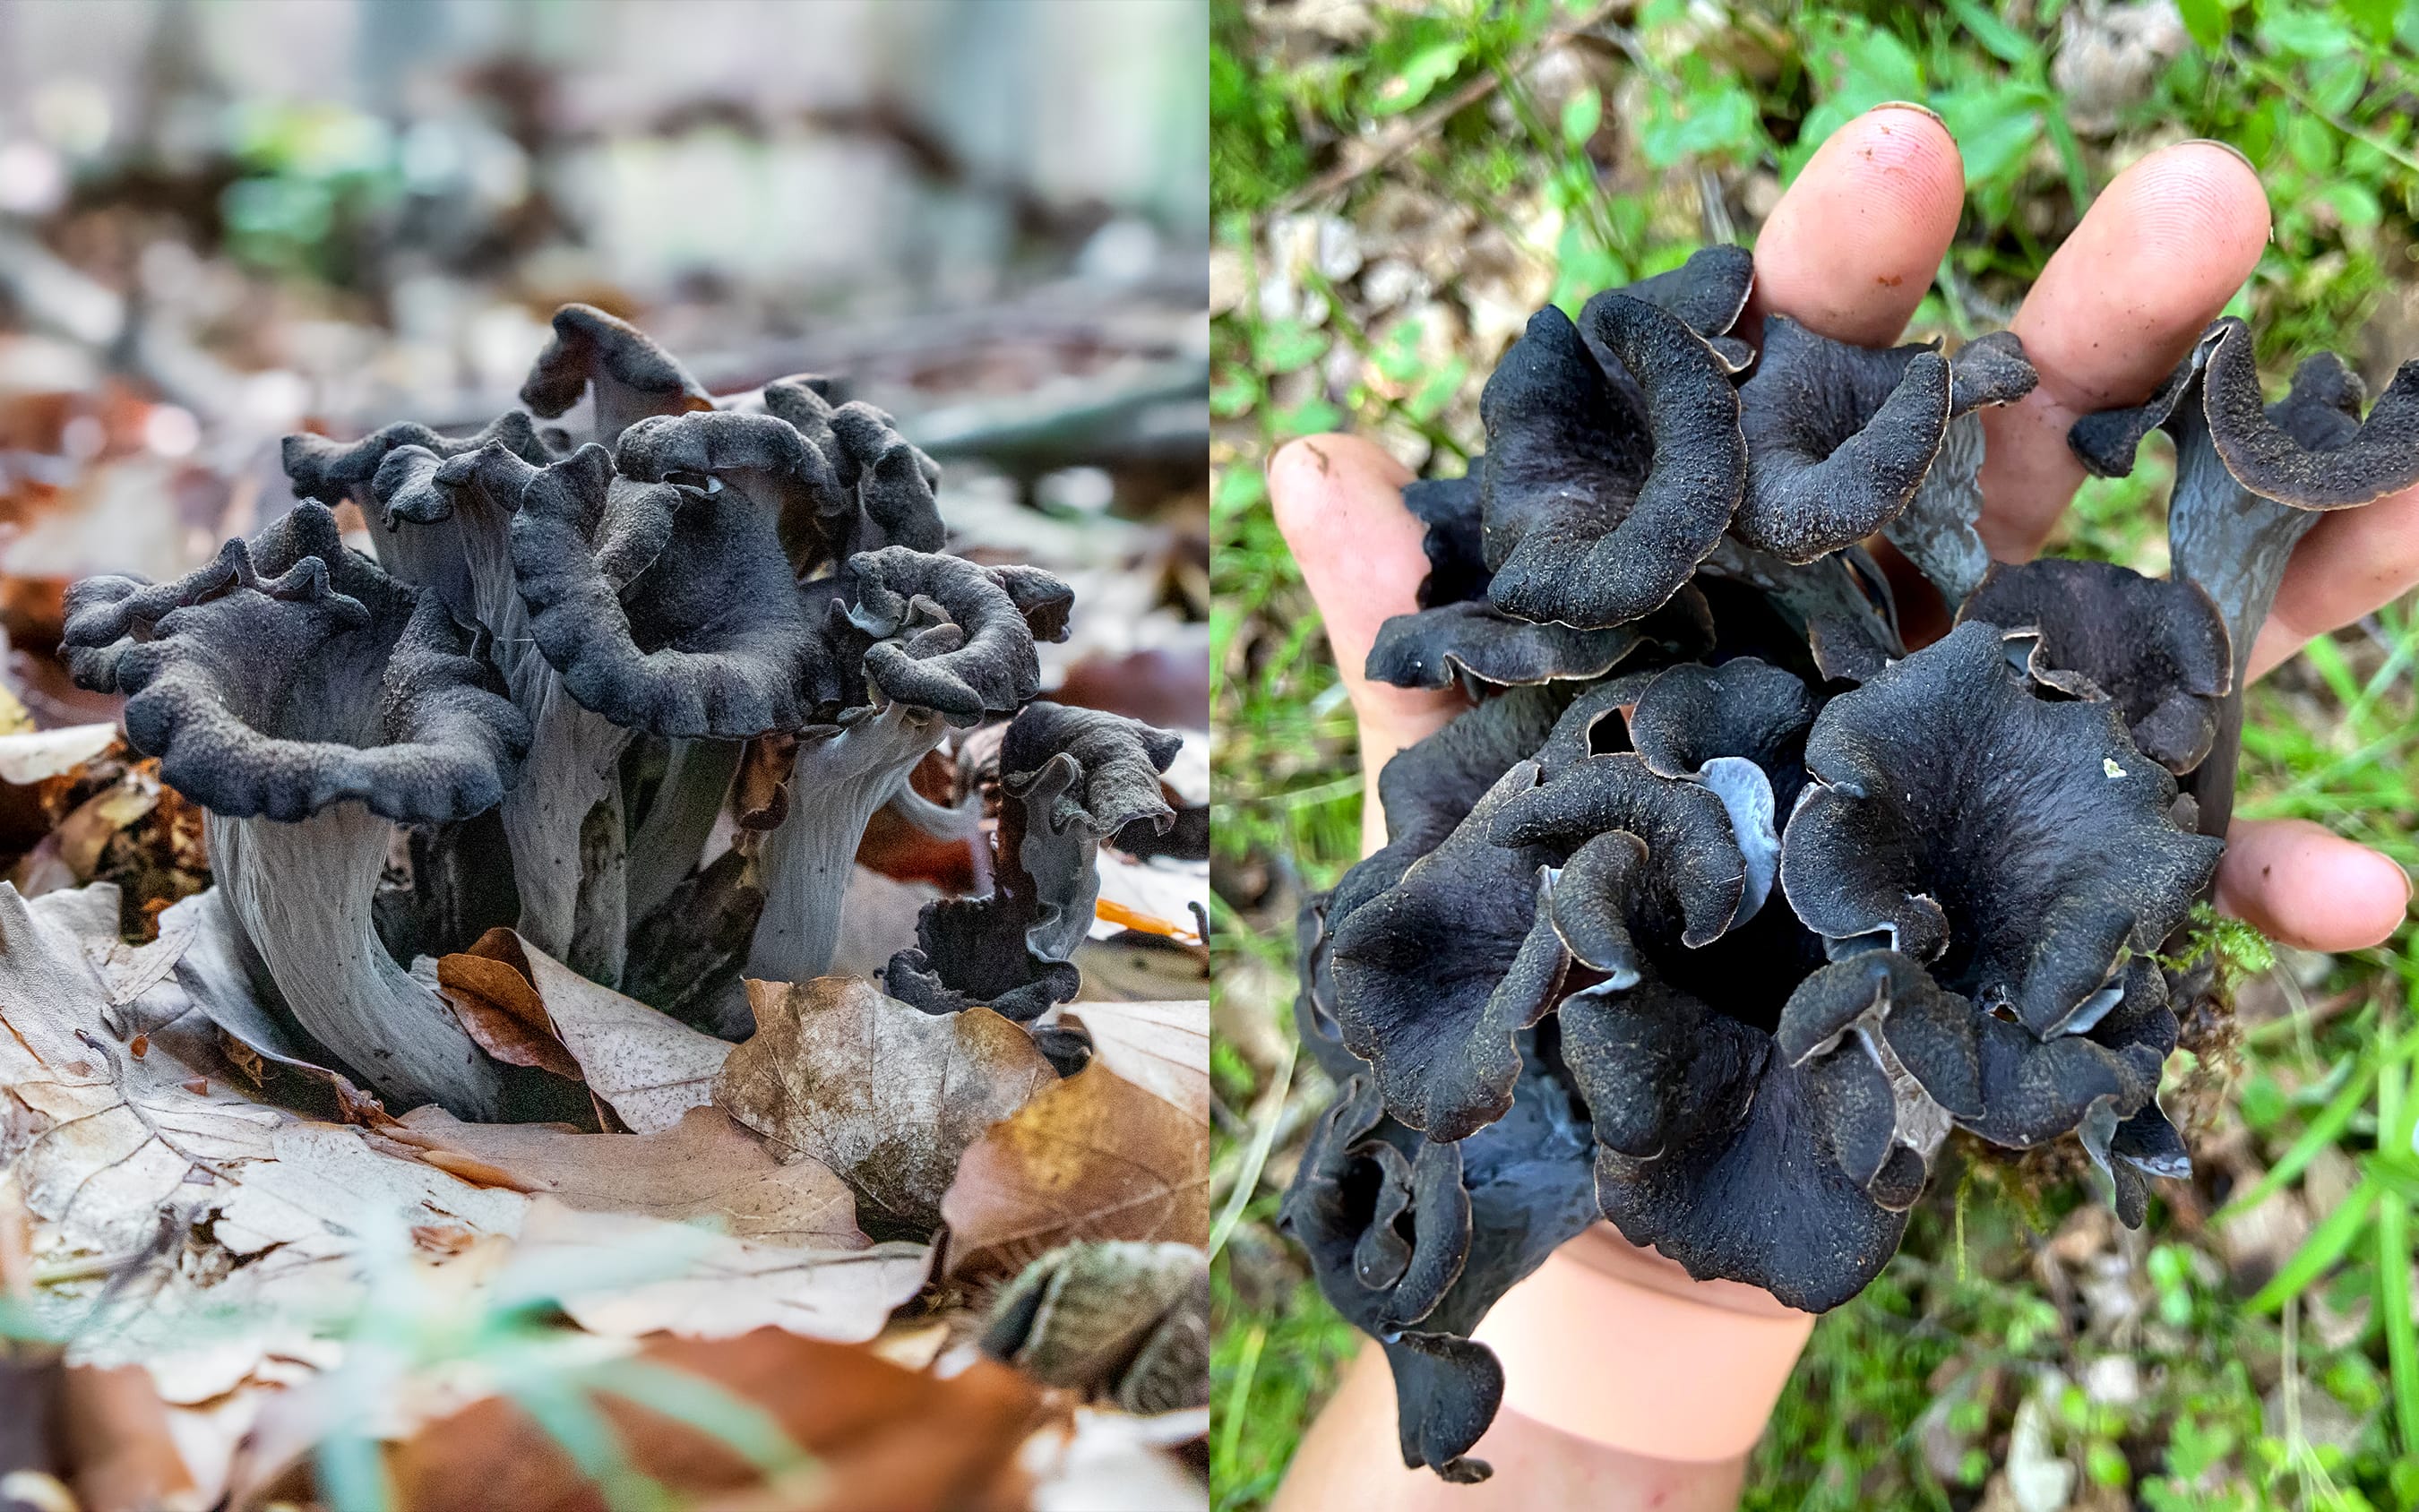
1747,894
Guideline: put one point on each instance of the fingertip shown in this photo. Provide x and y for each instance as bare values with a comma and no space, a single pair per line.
2157,256
1852,246
1314,476
2306,888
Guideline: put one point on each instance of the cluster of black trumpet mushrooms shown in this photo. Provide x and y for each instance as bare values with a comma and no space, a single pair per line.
1723,906
572,637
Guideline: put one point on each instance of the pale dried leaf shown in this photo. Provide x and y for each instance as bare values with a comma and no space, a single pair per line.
704,1167
885,1094
29,757
648,1066
716,1286
1162,1047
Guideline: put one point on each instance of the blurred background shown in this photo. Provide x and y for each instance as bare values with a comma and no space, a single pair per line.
223,223
1395,189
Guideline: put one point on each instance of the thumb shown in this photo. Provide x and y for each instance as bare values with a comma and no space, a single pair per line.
1338,500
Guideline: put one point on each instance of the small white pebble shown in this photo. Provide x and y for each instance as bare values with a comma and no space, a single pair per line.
2108,765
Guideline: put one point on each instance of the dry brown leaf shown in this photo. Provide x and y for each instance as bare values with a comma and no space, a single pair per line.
648,1066
115,1433
84,833
885,1094
1092,1157
1163,1048
625,1276
704,1167
504,1012
882,1439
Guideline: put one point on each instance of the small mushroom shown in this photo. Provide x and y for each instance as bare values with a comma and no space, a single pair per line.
629,376
1601,498
2100,631
1071,777
946,641
311,702
1839,438
2250,482
1473,644
1936,531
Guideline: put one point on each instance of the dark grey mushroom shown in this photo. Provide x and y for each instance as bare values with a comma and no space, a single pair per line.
311,702
1473,644
2096,630
628,375
946,642
1602,496
1071,778
2018,848
1435,976
2250,482
1839,438
1936,530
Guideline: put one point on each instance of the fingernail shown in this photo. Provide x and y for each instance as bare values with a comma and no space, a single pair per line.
2239,156
1909,104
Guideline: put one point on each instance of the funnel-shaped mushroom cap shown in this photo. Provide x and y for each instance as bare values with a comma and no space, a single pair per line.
665,607
951,634
334,471
1414,1240
2310,451
890,481
1602,496
2100,631
1839,438
1707,292
1072,777
631,376
291,675
1473,642
2016,847
1434,977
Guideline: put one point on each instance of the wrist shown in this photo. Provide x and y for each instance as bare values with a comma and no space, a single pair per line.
1615,1344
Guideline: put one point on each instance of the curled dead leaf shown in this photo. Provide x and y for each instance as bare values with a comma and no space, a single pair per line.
647,1067
886,1095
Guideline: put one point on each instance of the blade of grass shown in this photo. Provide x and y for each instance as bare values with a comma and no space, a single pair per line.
692,1400
2329,1241
2323,1131
2393,1259
1238,1396
1256,1159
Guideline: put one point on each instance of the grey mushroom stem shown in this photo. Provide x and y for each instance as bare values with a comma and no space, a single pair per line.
672,834
838,782
301,891
2235,545
563,823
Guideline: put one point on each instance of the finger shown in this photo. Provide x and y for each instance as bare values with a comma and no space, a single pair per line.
2305,888
1852,246
2157,256
1338,500
2351,562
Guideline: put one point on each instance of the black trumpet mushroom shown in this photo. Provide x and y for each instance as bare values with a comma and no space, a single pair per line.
1726,907
1069,778
311,702
571,636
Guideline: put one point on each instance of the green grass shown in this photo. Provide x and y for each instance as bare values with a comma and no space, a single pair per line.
1959,1327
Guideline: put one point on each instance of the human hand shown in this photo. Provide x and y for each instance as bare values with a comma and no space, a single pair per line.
1849,251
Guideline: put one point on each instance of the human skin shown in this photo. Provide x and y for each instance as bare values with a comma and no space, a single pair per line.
1849,251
